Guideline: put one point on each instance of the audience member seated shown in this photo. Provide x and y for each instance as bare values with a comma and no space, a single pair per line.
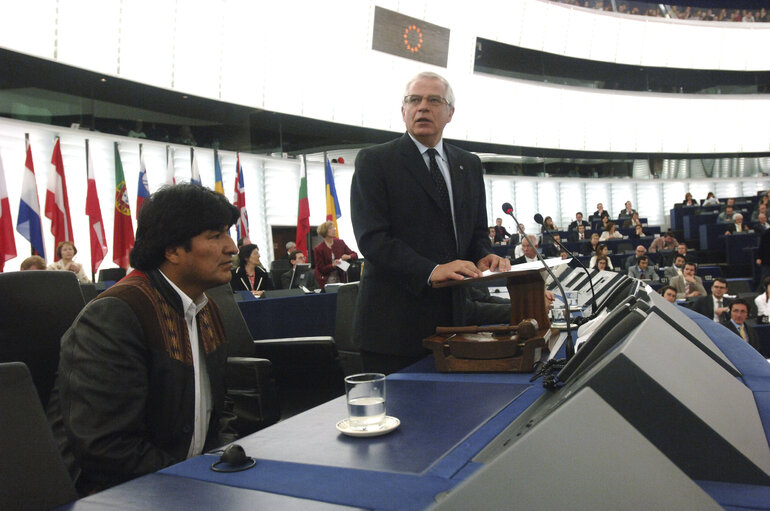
626,212
492,237
667,258
65,251
250,275
710,200
642,271
241,242
632,222
502,236
762,301
726,215
715,306
34,262
764,199
737,227
328,254
600,211
761,208
548,225
676,269
551,249
589,248
739,311
306,280
484,309
638,232
603,263
563,255
665,242
578,234
578,221
601,251
688,285
610,233
633,259
528,248
669,293
688,200
605,222
763,256
762,224
290,247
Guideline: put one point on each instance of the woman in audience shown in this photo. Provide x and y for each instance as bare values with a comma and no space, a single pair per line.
601,251
763,301
250,275
548,225
611,232
711,200
328,254
633,221
66,250
764,199
605,222
602,263
688,200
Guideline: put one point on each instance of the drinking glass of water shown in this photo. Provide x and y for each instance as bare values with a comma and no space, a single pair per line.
366,399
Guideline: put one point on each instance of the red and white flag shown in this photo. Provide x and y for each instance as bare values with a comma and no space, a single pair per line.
57,206
94,212
7,241
170,180
239,201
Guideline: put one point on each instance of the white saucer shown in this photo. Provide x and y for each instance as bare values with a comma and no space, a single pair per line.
386,426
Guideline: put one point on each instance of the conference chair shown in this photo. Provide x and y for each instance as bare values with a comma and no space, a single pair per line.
111,274
36,308
89,291
350,352
32,474
307,369
278,268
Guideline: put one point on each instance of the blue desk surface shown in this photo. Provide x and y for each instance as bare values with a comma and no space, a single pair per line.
291,316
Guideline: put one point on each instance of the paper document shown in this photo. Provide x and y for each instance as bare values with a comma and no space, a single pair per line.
343,265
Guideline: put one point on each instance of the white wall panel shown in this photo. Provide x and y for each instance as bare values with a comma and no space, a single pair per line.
88,33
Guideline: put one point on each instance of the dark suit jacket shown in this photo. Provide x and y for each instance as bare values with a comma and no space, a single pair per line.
705,305
501,233
574,225
240,281
750,333
394,206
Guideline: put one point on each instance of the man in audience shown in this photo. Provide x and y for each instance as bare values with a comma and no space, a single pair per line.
642,271
737,227
600,211
726,215
628,211
717,305
528,248
578,234
394,185
34,262
501,233
676,269
665,242
669,293
141,380
633,259
762,208
736,323
589,248
290,247
763,256
688,285
551,249
762,224
306,279
578,221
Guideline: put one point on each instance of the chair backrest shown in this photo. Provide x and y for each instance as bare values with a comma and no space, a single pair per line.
239,340
89,291
32,474
111,274
36,308
349,351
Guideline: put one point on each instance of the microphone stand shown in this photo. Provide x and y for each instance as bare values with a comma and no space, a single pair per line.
572,255
569,344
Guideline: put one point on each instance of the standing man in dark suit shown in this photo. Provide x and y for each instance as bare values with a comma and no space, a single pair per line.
395,187
501,233
739,311
717,305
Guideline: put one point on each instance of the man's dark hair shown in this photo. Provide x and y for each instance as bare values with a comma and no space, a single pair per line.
663,290
739,301
679,256
642,258
293,254
720,279
690,263
174,215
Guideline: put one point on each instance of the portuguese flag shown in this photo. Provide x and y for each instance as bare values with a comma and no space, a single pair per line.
123,230
303,213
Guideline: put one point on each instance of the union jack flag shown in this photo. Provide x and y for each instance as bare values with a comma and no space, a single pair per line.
239,201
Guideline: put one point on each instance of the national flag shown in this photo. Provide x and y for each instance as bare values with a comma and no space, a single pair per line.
94,213
218,186
170,180
332,203
239,201
143,188
195,173
28,222
303,213
123,235
57,205
7,241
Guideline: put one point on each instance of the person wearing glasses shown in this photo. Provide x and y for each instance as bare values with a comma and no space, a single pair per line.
395,187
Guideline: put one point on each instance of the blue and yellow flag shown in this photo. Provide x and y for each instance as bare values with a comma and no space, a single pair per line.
332,204
218,187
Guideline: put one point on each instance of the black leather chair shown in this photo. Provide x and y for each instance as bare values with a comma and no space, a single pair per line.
278,268
89,291
36,308
32,474
350,356
307,369
111,274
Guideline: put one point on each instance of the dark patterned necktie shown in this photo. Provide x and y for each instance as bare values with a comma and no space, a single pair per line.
438,180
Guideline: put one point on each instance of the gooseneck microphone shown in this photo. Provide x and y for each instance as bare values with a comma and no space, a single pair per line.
569,344
539,220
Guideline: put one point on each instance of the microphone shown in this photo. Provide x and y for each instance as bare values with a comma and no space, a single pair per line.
569,344
539,220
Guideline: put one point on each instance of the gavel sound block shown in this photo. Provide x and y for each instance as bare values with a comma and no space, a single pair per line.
506,348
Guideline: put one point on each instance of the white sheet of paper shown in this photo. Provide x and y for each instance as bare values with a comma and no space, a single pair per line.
343,265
